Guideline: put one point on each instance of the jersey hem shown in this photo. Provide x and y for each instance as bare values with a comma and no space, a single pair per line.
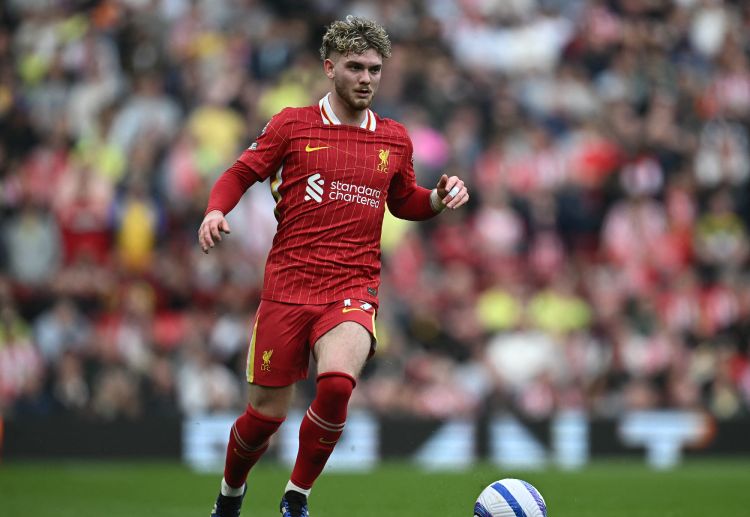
321,301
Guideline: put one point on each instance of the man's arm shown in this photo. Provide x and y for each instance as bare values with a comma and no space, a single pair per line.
420,203
407,200
415,205
258,162
230,187
224,196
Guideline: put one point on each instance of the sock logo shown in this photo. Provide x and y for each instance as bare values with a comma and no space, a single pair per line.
314,188
241,455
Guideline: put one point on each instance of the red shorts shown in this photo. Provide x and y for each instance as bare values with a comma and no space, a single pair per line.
284,334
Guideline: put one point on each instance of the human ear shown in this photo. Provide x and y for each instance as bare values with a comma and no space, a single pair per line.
328,67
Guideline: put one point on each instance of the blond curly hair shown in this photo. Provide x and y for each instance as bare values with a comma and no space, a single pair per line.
355,35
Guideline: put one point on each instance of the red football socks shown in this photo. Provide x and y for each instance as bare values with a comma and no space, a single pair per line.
322,426
248,440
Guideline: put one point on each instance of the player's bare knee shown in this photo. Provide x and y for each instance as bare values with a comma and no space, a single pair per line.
271,401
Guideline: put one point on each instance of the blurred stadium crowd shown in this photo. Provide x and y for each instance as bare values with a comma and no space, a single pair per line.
602,264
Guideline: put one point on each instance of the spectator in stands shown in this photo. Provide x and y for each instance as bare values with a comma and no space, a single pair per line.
608,142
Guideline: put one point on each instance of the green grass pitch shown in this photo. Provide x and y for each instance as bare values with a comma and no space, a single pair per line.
604,489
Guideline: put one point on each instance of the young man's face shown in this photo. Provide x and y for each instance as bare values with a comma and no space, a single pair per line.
355,77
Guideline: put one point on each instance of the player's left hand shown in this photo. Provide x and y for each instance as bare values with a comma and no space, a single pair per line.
452,191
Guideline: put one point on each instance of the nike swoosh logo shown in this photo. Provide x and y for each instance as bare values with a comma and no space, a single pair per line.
350,309
311,149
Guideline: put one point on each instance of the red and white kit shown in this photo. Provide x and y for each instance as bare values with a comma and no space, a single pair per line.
331,183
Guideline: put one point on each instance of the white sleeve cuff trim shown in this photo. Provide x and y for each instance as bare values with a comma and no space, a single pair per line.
435,202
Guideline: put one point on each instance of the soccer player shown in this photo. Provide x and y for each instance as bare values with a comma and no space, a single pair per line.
333,167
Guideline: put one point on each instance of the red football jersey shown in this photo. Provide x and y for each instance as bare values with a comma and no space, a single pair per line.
331,183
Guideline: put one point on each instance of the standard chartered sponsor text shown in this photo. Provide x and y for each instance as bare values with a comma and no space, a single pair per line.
352,193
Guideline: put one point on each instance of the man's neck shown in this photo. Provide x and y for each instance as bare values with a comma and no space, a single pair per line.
344,113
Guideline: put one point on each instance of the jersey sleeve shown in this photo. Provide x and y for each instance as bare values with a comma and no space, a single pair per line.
255,164
406,199
265,155
229,188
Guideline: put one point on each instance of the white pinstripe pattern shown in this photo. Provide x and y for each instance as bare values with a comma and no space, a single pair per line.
365,219
328,251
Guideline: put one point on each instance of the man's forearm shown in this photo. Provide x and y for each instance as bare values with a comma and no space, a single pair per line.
419,205
230,187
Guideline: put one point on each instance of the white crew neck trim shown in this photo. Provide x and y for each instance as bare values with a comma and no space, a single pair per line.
330,118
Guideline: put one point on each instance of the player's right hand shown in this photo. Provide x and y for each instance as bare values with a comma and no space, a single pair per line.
213,225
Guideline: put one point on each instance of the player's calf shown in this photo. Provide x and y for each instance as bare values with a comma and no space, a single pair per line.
248,440
322,426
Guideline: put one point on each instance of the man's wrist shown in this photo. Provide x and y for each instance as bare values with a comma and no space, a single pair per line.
435,202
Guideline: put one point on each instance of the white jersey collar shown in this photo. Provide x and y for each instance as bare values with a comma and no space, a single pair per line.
330,118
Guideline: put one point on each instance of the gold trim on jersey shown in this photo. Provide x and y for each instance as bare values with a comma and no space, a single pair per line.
251,354
370,121
275,185
326,118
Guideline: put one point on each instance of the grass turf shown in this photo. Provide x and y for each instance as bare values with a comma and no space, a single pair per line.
603,489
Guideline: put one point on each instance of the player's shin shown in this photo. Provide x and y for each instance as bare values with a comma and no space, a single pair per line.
322,426
248,440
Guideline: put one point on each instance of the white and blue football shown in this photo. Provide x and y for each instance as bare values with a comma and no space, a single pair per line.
510,498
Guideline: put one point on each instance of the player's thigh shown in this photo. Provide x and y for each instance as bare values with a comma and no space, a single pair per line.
344,348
